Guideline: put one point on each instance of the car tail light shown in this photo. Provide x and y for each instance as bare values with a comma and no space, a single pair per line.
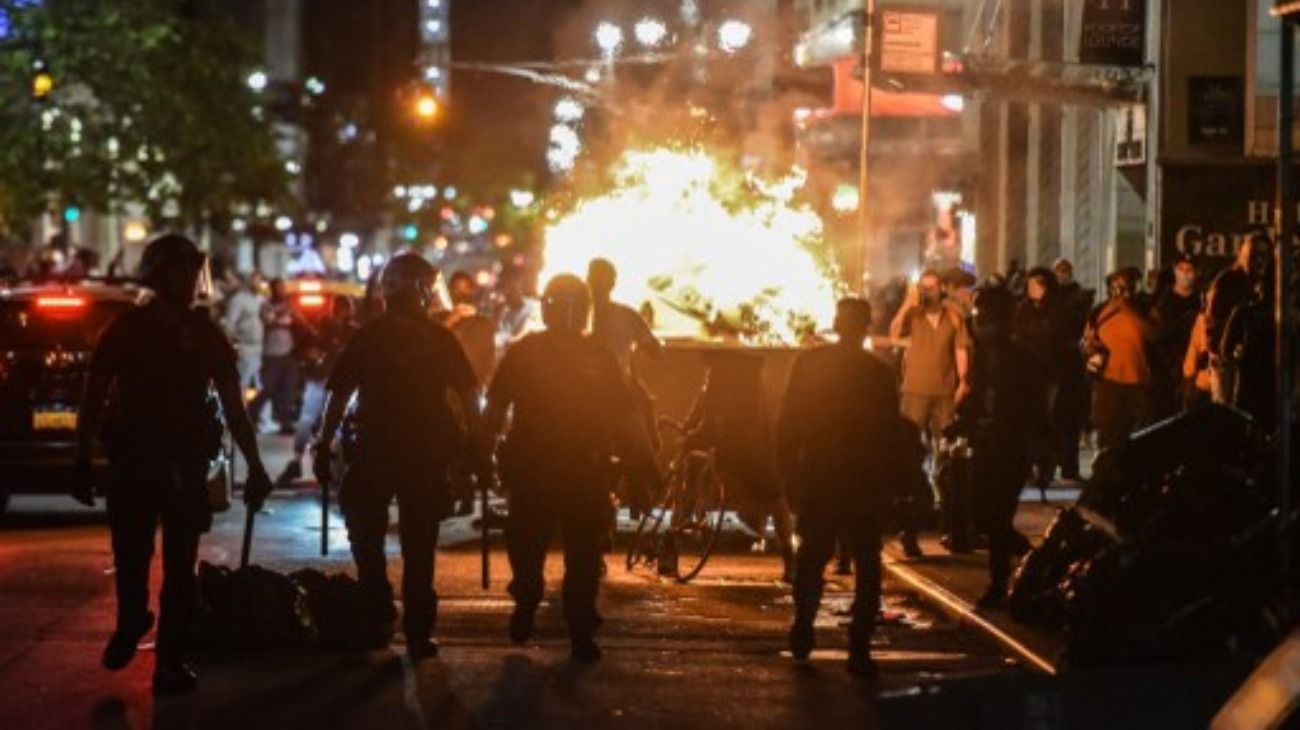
309,286
60,303
311,301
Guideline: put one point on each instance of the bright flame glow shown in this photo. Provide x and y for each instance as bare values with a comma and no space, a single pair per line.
713,250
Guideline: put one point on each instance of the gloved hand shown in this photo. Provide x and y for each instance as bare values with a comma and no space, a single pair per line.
83,482
258,487
322,462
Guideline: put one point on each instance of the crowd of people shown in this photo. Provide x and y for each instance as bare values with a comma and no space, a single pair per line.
1008,366
1026,366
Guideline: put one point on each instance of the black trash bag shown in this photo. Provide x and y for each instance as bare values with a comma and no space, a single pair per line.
1130,482
1036,596
250,609
339,610
1163,601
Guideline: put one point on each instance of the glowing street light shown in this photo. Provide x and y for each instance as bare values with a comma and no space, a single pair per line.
734,35
257,81
521,198
426,107
135,231
569,110
609,37
650,32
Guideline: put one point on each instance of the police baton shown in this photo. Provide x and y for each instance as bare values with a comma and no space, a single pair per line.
324,518
246,548
484,538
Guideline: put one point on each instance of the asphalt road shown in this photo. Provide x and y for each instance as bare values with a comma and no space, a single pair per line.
708,654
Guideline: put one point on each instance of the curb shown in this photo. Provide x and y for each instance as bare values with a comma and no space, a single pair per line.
962,611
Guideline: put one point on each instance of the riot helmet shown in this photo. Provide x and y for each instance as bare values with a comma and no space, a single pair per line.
566,304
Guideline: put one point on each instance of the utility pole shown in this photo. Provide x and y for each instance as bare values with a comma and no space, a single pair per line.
1283,364
857,258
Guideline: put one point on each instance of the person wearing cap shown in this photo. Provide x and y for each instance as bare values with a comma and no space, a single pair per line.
840,447
159,361
568,400
416,403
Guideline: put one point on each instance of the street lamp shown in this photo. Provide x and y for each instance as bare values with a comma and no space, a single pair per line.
426,107
569,110
609,38
257,81
650,32
734,35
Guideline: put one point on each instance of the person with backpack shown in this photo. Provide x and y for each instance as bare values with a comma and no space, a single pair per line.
417,402
161,362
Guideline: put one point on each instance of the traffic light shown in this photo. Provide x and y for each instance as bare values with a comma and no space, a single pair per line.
42,81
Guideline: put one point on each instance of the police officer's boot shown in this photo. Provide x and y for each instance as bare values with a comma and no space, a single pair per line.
585,649
911,548
861,664
122,645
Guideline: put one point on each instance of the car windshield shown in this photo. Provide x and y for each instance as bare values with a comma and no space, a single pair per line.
71,323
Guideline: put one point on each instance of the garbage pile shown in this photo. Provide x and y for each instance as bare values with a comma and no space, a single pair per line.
1170,552
252,609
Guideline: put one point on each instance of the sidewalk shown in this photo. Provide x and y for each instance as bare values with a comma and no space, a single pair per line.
953,583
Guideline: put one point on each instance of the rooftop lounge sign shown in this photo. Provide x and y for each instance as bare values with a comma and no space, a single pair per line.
1114,32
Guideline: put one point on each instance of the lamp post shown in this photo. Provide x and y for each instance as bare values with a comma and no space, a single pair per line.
1283,363
857,259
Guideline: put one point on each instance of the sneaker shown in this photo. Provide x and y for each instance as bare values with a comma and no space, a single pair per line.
585,650
122,644
419,650
802,637
860,664
173,679
521,625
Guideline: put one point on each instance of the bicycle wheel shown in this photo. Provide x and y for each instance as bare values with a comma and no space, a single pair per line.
698,515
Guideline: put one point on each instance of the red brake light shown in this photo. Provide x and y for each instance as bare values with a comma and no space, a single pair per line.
60,303
311,301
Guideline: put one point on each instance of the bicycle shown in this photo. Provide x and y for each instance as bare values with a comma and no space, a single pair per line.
690,512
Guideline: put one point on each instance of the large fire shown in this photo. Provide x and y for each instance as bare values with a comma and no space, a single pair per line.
713,251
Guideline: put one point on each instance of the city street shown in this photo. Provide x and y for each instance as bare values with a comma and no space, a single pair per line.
694,656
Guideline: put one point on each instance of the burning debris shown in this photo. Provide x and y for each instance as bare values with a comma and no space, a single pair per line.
710,250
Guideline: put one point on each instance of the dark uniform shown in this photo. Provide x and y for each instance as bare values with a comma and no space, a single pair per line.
840,443
160,434
568,400
402,367
1000,416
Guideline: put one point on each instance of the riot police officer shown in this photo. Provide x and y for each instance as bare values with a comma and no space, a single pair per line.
161,361
839,446
407,372
567,397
